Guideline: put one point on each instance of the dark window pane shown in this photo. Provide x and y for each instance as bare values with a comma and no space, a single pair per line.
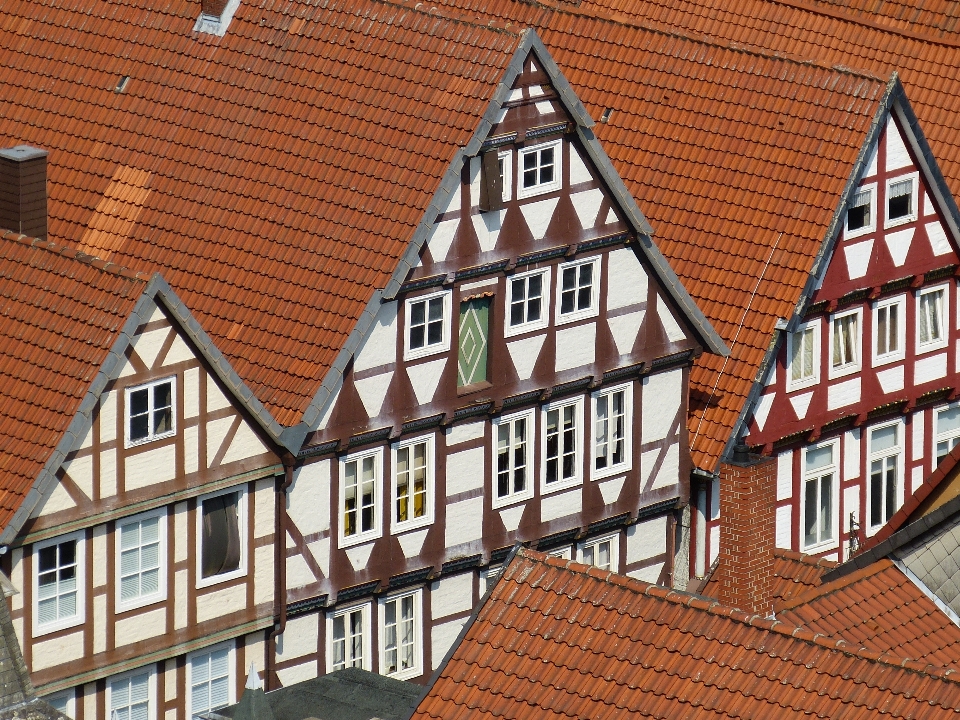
417,335
68,552
436,309
434,333
162,421
47,558
858,217
418,313
898,207
161,395
139,427
138,402
220,544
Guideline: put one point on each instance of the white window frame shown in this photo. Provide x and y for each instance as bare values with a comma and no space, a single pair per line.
488,578
625,466
873,455
541,188
512,498
366,634
850,367
613,539
528,326
914,201
161,592
68,698
941,343
151,436
900,302
377,529
81,560
410,353
417,669
814,327
231,649
594,308
427,518
833,540
872,225
577,479
241,570
563,553
151,689
952,437
505,158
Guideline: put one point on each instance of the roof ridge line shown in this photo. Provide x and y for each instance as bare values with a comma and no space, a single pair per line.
811,560
78,255
696,602
837,15
834,585
625,20
423,7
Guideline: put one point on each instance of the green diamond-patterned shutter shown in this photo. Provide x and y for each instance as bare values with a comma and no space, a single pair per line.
472,355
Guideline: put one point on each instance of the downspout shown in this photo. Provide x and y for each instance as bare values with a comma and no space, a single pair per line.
671,547
280,571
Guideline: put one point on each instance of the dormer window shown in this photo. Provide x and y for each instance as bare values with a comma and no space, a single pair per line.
150,411
901,200
539,169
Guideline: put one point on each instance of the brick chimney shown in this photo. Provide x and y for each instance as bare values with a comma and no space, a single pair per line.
23,190
213,8
748,487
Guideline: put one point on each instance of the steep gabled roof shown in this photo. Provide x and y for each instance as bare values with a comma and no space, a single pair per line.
739,159
880,608
558,639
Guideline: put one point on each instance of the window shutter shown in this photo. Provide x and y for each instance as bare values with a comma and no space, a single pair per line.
473,345
491,184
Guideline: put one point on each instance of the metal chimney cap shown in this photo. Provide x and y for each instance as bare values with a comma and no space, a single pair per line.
20,153
741,453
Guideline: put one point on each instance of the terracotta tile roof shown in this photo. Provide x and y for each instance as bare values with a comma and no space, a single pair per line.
274,175
880,608
793,574
557,639
737,158
60,313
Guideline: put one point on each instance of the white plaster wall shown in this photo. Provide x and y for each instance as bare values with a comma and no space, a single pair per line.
180,580
141,626
380,347
660,403
451,595
783,526
464,522
851,503
245,444
464,432
100,550
191,449
649,574
263,508
626,280
59,500
670,326
170,680
221,602
108,417
714,543
216,433
647,540
298,572
108,474
897,155
216,400
180,540
57,651
576,346
179,352
785,475
669,472
298,673
843,394
560,505
148,345
150,467
16,577
851,454
930,368
308,500
464,471
299,637
442,636
99,623
90,700
916,421
191,393
263,574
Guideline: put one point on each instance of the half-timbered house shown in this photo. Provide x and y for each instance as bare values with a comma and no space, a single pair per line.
426,320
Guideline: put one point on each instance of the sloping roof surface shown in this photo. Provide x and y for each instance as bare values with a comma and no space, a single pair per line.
935,559
274,175
60,313
793,574
737,158
558,639
881,609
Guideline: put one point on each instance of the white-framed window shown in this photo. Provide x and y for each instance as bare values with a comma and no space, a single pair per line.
931,320
513,450
803,356
64,702
413,464
360,496
564,553
401,635
428,325
602,552
210,680
132,695
489,577
539,169
889,330
528,302
578,290
221,535
901,200
562,443
820,486
845,343
141,559
612,410
862,212
885,489
58,585
150,411
505,164
348,633
946,431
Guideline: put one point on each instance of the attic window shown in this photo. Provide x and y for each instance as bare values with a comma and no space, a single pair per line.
122,84
861,212
901,200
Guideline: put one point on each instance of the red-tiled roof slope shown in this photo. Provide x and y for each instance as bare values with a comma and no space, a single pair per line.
557,639
937,18
274,175
879,608
60,313
737,158
793,574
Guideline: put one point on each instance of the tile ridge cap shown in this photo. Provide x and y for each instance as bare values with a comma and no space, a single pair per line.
445,12
806,559
105,266
628,21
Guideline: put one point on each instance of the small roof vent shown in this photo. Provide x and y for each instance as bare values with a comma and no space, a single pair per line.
215,16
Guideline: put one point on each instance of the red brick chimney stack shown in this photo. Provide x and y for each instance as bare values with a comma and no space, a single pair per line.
748,487
213,8
23,190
